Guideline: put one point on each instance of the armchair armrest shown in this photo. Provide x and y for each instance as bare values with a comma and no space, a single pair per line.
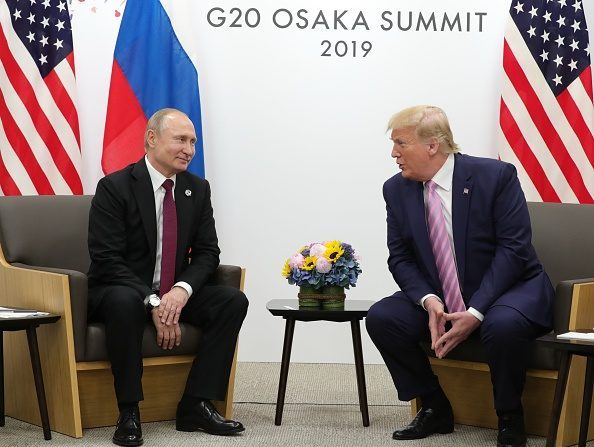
77,283
228,275
570,296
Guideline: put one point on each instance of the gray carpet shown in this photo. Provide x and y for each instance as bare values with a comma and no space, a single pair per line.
321,409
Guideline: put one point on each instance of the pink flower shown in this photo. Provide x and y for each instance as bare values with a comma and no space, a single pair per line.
296,261
317,250
323,265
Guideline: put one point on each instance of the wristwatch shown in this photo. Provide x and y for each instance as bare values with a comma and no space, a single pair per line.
152,301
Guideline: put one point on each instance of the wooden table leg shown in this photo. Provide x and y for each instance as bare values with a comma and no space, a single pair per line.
358,352
587,402
2,420
558,399
284,372
38,376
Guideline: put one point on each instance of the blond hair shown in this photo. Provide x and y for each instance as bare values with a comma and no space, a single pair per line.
429,122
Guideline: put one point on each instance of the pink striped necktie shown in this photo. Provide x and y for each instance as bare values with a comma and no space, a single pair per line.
442,251
169,243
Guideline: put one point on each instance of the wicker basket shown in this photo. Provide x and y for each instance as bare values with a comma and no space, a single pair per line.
329,297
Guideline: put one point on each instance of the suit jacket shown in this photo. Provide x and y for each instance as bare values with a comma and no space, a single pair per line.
497,264
123,230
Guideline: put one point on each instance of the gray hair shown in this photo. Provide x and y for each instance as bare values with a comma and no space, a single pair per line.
157,122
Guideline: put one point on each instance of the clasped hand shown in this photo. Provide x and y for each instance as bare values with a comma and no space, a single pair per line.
172,304
463,324
166,317
167,336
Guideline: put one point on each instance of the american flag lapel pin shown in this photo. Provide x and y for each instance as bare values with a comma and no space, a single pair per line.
465,191
188,192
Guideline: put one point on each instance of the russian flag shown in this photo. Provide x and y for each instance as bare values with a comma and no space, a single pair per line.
151,70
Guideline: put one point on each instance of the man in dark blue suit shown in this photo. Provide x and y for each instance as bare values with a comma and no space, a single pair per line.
506,294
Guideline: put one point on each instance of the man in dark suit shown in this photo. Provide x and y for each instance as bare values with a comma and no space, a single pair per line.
480,274
153,247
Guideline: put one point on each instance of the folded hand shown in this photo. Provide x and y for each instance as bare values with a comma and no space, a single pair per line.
463,324
168,336
437,320
172,304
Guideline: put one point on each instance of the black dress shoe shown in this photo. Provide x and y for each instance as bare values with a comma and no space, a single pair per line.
204,416
128,431
426,422
511,431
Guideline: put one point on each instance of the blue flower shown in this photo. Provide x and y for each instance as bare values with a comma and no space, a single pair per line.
348,249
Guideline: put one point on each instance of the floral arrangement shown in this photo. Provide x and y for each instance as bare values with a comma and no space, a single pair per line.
322,264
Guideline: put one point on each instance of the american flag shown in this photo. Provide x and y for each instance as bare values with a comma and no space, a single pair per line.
547,114
39,136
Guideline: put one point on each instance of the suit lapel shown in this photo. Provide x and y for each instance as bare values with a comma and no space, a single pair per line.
461,192
183,206
145,198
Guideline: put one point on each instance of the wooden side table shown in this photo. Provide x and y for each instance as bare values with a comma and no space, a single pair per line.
354,311
29,324
568,348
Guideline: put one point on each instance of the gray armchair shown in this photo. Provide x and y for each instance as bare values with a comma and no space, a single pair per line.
564,241
43,263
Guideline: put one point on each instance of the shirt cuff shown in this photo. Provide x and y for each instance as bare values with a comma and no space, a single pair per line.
475,313
185,286
421,302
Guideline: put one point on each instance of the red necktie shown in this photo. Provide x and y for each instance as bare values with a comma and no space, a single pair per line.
169,246
442,251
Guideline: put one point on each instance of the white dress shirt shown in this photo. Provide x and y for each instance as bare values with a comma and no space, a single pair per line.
157,180
443,180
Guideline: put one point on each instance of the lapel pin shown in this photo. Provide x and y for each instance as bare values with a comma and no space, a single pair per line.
188,192
465,191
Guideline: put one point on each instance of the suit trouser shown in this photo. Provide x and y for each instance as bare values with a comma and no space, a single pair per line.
218,310
397,325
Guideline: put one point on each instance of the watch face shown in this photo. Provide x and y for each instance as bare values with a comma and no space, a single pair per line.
154,301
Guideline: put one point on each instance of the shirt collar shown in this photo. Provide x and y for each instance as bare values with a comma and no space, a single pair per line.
443,177
157,178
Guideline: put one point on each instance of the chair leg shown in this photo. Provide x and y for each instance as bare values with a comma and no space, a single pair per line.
2,409
38,376
282,384
359,368
558,399
587,402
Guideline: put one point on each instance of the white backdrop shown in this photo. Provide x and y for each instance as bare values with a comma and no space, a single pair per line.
295,143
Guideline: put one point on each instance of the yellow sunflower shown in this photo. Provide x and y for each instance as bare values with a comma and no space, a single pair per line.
309,263
286,269
333,251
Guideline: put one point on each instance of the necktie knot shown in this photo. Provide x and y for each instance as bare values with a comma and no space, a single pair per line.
430,185
168,184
